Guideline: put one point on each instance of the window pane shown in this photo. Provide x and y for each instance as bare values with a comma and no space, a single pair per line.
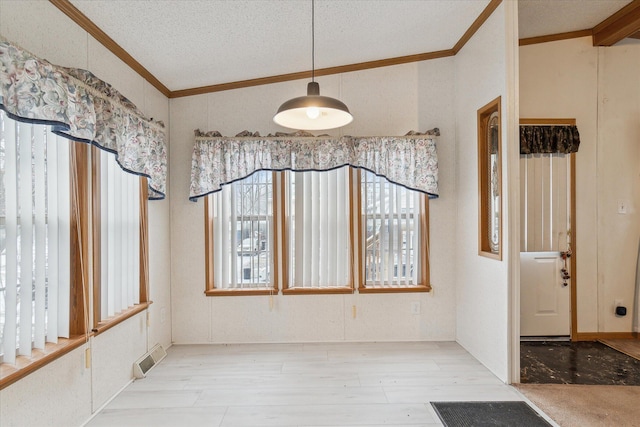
34,237
318,223
391,230
119,237
242,233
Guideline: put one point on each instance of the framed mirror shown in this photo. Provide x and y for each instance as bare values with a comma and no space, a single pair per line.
490,180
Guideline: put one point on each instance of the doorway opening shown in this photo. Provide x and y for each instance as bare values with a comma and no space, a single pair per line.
547,243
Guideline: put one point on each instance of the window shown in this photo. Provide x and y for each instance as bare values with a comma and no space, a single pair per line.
317,230
46,185
240,232
489,180
325,231
120,260
35,245
395,230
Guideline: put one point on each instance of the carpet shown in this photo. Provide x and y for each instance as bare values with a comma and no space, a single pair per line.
630,347
574,405
507,414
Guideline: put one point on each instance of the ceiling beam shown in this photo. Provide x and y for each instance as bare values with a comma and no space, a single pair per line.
635,36
618,26
86,24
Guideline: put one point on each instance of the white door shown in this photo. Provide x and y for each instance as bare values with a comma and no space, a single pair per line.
545,302
544,308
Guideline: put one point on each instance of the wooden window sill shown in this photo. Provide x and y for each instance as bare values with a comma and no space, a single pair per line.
316,291
120,317
389,290
25,365
239,292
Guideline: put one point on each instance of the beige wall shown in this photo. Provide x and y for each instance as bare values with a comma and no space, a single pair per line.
470,301
600,87
65,392
482,70
385,101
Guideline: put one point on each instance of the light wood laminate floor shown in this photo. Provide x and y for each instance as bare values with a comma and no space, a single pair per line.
344,384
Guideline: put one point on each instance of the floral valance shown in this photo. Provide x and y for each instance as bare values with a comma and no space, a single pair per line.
410,160
549,139
82,107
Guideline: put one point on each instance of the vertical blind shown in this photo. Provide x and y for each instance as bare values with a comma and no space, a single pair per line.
35,237
119,237
544,202
242,228
319,229
392,232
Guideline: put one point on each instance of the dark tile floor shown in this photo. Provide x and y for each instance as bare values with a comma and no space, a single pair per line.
554,362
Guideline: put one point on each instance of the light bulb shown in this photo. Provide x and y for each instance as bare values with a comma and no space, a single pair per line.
313,112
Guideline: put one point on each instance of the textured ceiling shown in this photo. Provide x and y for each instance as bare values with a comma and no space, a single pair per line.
196,43
543,17
193,43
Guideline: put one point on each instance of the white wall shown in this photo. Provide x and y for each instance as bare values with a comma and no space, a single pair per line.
64,392
385,101
600,87
482,284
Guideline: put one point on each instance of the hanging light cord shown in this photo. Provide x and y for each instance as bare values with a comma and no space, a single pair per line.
313,41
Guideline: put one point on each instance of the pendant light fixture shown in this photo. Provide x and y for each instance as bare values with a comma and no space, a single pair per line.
313,112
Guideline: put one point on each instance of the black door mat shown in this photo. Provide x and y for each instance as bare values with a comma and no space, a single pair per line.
468,414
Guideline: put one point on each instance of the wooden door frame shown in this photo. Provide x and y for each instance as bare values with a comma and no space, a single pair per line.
573,299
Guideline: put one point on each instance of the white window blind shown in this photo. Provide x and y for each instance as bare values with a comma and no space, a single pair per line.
318,225
391,222
34,237
242,215
119,237
545,202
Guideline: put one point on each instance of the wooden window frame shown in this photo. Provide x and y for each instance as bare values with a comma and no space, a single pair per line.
484,115
210,288
424,281
85,210
101,325
79,273
281,263
286,289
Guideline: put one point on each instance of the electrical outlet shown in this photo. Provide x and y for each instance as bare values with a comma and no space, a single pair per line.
163,315
415,307
353,311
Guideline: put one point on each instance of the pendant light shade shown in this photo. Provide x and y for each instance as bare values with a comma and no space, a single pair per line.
313,112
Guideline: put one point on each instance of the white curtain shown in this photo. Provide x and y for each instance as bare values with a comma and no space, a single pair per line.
319,229
35,232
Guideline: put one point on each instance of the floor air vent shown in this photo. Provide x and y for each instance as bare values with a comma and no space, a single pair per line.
148,361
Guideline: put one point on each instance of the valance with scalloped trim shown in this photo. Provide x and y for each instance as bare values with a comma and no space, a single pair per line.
410,160
81,107
546,139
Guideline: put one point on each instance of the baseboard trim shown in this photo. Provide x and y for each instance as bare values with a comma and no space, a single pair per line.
595,336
